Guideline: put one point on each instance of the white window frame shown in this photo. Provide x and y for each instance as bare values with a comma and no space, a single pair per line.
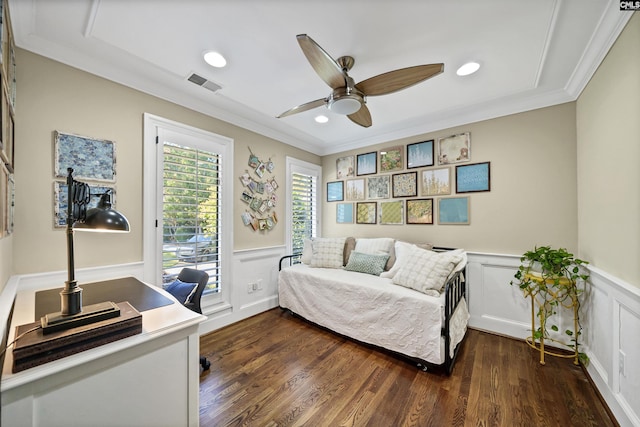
158,129
294,165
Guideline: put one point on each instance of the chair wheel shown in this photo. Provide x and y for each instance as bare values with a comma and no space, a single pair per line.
205,363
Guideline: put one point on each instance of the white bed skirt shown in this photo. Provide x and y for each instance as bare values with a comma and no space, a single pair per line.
371,309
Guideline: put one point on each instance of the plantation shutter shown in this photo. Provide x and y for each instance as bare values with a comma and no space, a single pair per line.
191,212
304,209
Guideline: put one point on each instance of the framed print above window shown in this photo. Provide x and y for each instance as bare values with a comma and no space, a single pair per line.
366,212
435,182
355,189
391,212
420,211
344,167
473,178
391,159
378,187
454,149
344,213
420,154
335,191
453,210
366,164
405,184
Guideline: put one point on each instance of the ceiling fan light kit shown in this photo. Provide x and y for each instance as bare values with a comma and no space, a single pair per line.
348,98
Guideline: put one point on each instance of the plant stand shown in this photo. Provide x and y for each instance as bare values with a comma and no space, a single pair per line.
543,304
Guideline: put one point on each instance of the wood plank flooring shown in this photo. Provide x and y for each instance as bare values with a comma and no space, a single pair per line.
275,369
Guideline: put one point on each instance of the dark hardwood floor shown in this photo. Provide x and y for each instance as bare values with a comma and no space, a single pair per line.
275,369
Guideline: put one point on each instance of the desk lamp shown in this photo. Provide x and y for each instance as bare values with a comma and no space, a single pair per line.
102,219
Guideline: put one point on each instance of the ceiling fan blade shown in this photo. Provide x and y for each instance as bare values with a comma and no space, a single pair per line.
303,107
394,81
361,117
326,67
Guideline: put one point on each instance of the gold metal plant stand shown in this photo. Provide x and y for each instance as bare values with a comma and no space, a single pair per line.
573,304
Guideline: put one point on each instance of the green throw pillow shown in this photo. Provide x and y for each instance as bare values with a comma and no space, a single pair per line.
366,263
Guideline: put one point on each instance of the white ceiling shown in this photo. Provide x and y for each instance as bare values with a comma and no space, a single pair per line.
533,54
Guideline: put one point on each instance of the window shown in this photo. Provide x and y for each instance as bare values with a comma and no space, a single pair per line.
188,205
303,197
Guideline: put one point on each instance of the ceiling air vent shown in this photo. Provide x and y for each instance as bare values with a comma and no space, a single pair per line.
201,81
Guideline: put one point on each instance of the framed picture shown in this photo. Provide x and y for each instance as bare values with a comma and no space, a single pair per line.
366,212
366,164
435,182
454,149
60,200
355,189
420,154
378,187
344,213
391,159
391,212
335,191
405,184
420,211
90,158
473,178
344,167
453,210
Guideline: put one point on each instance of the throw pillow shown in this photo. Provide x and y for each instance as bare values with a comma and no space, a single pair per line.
374,246
307,252
182,291
328,252
349,246
402,251
424,270
366,263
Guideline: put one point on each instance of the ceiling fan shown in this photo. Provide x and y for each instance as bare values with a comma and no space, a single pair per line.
348,98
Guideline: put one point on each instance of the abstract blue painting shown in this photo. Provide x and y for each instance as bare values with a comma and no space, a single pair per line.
90,158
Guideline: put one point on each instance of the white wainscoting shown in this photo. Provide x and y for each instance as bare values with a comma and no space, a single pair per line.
249,266
610,318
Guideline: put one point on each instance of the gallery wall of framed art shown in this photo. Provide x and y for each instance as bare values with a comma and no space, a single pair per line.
423,183
7,121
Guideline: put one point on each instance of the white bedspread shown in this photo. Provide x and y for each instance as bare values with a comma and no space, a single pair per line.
371,309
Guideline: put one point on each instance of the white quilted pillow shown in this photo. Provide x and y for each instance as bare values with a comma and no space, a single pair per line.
375,246
425,270
328,252
402,253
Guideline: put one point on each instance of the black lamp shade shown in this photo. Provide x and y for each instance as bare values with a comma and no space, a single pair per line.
103,220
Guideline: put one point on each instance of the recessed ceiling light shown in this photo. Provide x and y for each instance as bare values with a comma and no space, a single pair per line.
468,68
322,119
215,59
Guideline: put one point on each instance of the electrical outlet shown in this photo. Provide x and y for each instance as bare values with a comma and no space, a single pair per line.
621,363
251,286
259,282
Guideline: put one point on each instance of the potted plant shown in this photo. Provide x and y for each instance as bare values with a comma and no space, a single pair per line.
553,278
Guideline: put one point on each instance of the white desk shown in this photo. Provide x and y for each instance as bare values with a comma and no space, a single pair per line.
150,379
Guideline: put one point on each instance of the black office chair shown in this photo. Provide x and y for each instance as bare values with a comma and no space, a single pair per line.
191,275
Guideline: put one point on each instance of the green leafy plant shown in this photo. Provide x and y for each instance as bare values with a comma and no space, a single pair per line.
556,279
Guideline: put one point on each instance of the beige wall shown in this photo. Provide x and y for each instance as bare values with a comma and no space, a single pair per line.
608,128
52,96
533,187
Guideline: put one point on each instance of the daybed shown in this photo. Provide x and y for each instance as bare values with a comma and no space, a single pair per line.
409,300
